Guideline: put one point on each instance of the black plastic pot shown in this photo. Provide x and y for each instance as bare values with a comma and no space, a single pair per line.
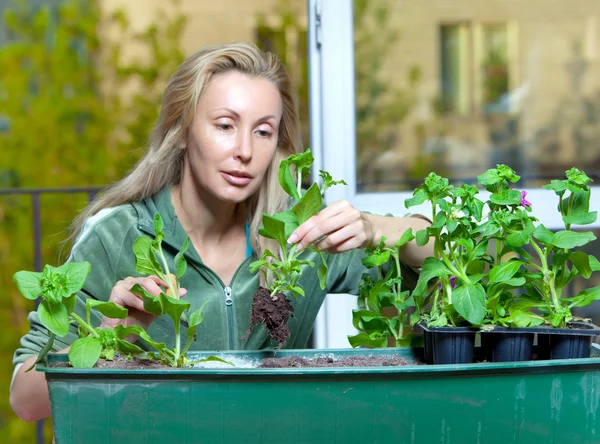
565,343
507,346
451,345
427,347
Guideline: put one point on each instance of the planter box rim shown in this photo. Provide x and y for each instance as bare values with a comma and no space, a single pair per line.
413,370
579,329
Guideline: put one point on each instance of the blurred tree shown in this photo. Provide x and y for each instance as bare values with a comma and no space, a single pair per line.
285,35
74,111
381,105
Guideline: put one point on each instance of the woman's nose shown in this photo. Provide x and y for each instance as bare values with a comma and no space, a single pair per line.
243,150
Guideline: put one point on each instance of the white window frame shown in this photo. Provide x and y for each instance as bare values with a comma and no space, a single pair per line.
333,137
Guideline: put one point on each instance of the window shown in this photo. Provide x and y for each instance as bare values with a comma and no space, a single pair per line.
477,67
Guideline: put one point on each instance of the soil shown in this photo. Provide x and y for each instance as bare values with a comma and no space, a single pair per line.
122,363
273,313
346,361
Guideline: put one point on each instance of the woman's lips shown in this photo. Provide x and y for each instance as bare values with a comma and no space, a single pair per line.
238,179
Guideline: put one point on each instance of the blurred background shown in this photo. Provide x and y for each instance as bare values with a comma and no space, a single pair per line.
451,86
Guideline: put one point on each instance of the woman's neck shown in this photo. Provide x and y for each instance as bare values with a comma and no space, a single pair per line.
203,218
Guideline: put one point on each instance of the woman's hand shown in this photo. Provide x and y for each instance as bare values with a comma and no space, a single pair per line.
341,227
337,228
122,296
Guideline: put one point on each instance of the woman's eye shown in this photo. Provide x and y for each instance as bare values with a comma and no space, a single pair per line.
264,133
224,126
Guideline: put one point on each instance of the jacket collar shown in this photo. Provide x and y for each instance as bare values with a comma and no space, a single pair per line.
174,232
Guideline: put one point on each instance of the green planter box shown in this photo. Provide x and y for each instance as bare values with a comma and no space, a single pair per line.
519,402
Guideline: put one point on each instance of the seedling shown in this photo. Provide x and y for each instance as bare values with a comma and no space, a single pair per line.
58,289
375,295
150,260
282,271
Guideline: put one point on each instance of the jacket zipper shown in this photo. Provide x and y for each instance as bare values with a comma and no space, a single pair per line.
229,308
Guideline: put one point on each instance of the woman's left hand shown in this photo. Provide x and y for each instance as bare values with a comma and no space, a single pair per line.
340,227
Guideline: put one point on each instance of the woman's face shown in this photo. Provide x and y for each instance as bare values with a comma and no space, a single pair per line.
233,136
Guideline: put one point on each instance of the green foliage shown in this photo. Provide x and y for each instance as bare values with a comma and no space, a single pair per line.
380,107
287,270
74,111
57,288
150,259
474,287
376,295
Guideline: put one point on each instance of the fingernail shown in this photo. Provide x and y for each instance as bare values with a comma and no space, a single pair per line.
299,247
293,238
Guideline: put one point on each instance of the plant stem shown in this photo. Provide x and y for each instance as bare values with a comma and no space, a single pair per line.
167,276
85,325
177,342
548,278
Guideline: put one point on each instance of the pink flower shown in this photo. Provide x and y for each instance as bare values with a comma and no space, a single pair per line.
452,282
524,202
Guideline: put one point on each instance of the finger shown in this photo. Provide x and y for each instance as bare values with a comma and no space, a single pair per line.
326,228
344,239
326,213
150,284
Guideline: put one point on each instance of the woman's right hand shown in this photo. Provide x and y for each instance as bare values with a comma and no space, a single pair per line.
122,296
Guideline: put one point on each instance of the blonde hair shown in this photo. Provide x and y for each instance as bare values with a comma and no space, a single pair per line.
163,162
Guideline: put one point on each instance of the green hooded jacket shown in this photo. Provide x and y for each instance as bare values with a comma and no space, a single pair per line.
106,242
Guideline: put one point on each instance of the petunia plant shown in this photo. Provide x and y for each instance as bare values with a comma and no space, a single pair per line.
57,289
58,286
375,326
483,269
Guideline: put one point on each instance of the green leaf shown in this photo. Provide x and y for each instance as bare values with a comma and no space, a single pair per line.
108,309
69,303
29,283
194,320
217,359
364,340
309,204
469,302
197,316
570,239
585,297
85,352
418,198
505,271
158,224
172,307
122,332
544,235
145,260
376,259
581,261
128,348
289,219
323,270
594,263
581,219
43,352
422,237
151,303
322,273
406,237
298,290
328,181
273,229
54,316
507,197
286,180
180,262
75,275
432,267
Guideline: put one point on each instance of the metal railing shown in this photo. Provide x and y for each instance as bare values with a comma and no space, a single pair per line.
36,222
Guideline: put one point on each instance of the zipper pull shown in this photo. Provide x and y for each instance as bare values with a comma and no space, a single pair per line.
228,300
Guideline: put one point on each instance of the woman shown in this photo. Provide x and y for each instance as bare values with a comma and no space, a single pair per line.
228,118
